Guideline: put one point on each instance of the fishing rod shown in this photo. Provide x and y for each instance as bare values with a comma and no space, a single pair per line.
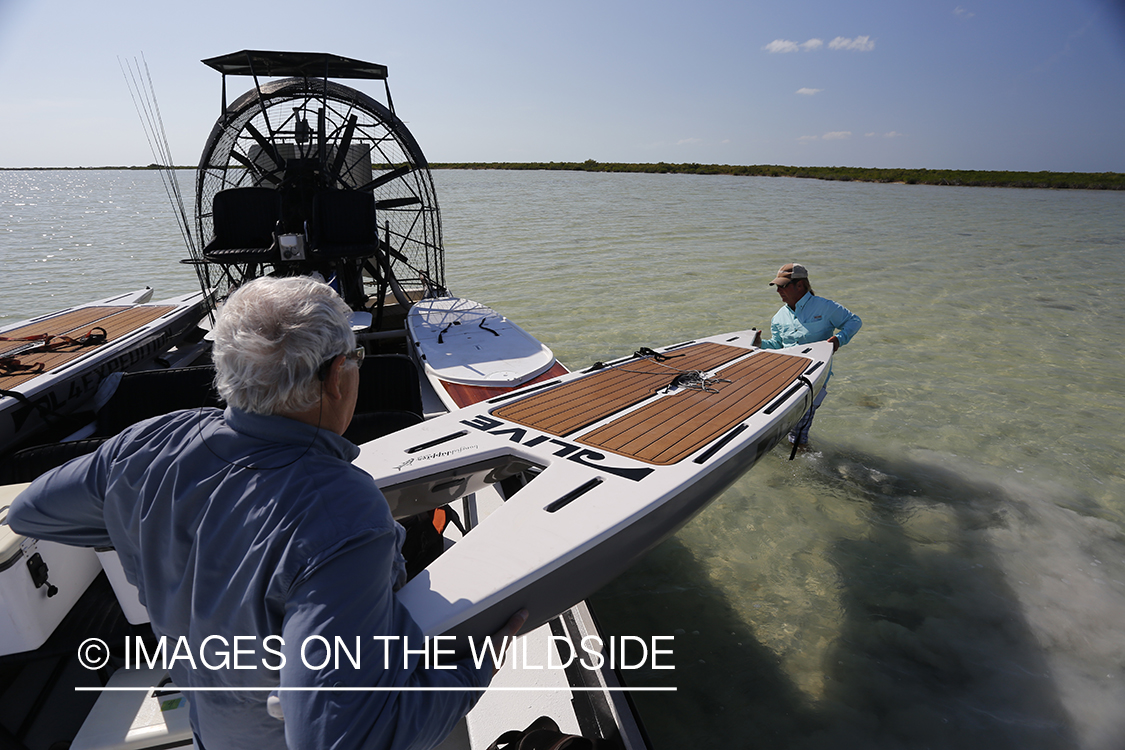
143,95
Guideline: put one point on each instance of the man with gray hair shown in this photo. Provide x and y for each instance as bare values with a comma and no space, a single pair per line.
264,557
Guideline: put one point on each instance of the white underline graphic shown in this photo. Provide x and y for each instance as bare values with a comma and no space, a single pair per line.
170,689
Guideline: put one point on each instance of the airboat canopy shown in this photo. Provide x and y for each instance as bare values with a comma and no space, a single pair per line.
299,64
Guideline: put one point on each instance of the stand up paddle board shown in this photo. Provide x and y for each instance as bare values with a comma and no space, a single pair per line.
469,352
52,365
622,455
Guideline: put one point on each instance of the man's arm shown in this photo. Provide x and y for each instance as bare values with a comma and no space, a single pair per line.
775,340
349,595
845,321
65,505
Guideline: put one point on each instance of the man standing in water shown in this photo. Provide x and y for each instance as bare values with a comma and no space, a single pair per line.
803,319
251,529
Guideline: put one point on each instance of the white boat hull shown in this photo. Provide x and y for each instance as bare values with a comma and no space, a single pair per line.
593,510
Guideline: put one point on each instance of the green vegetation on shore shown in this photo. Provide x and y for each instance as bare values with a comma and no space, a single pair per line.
971,178
1073,180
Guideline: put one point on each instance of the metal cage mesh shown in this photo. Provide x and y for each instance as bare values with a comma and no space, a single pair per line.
382,158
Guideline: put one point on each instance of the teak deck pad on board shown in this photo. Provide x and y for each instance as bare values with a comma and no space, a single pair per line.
672,426
118,321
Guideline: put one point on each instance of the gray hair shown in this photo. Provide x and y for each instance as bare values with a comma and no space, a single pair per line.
272,337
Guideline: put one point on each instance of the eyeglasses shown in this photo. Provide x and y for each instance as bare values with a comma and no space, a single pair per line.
355,355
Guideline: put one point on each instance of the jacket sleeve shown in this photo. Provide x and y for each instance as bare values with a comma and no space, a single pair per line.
846,322
349,595
65,505
775,339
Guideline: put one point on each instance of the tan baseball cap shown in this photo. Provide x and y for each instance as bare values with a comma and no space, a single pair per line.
790,272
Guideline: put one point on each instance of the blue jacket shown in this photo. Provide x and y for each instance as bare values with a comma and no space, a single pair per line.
246,525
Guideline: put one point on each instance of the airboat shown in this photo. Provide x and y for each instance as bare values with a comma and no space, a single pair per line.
301,175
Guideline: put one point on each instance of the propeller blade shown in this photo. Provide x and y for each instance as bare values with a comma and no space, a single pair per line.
256,169
266,146
342,150
390,251
386,177
397,202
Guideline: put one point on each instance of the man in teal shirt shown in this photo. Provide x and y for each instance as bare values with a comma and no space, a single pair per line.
803,319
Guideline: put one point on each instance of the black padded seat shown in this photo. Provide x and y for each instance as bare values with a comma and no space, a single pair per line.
389,382
29,464
345,224
376,424
150,393
244,221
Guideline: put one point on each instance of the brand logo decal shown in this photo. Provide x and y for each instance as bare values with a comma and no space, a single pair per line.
569,451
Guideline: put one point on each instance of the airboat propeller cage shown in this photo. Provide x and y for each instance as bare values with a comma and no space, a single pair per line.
301,160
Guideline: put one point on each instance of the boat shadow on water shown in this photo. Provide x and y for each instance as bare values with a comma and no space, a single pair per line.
889,602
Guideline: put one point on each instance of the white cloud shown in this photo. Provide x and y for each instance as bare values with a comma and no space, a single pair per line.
809,92
859,44
838,135
962,13
781,45
892,134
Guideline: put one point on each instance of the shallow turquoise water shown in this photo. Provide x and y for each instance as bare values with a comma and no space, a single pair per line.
945,569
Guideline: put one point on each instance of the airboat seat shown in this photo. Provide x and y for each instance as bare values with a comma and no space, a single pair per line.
245,220
345,224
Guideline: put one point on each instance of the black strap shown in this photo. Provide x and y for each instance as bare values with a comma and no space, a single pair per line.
92,338
803,379
454,518
644,351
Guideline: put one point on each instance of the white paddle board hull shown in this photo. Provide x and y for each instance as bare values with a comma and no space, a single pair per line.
469,352
624,461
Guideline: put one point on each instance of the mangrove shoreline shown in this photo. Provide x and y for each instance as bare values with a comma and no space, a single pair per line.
971,178
955,177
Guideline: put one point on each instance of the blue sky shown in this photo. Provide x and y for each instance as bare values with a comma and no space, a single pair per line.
940,84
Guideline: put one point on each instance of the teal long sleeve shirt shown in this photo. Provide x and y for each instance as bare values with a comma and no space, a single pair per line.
812,319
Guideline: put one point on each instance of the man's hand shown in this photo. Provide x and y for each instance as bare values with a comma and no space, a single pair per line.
506,635
835,343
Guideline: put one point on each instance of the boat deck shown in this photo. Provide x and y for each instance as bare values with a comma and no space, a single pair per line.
117,320
667,429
